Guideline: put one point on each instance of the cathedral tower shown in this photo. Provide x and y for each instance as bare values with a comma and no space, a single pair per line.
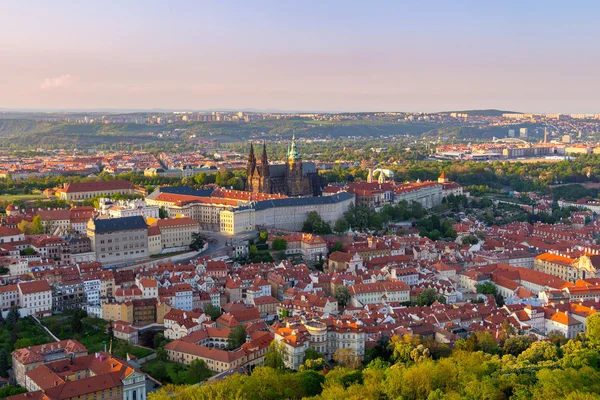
265,171
250,168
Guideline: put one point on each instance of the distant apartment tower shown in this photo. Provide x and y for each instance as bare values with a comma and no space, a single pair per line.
523,132
511,133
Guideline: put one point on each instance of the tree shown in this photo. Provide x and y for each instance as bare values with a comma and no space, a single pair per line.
26,227
237,337
37,226
557,338
111,333
28,251
157,340
340,226
4,364
592,329
263,237
516,345
12,317
159,372
279,244
311,383
274,356
76,324
487,288
197,241
315,224
9,390
312,354
538,352
198,371
429,296
346,357
213,312
22,343
337,246
253,249
469,239
161,354
342,295
163,213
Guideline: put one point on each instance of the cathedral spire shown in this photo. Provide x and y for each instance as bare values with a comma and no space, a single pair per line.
265,161
251,160
292,152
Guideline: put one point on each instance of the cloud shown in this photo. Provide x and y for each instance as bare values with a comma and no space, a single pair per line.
55,83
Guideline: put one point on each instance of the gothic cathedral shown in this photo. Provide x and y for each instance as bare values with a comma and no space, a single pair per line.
294,178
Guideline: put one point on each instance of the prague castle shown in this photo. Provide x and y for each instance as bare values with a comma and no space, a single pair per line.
294,178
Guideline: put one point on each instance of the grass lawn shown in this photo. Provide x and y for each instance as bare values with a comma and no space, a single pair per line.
14,197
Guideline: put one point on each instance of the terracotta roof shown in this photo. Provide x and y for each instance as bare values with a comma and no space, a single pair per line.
34,287
78,187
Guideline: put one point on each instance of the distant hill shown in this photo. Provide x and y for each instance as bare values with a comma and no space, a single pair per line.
486,113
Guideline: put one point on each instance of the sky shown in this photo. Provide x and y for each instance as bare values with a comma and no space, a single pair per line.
328,55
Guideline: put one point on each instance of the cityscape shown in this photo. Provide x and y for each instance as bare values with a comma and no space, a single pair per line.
210,201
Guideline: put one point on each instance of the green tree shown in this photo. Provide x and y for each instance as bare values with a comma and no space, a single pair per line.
428,296
22,343
159,372
340,226
487,288
253,250
75,321
516,345
198,241
342,295
37,226
158,340
592,328
4,363
26,227
274,356
263,237
163,213
279,244
111,333
213,312
28,251
12,317
198,371
337,246
315,224
10,390
312,354
538,352
161,354
237,337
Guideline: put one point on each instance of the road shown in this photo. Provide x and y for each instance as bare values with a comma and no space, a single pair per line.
221,247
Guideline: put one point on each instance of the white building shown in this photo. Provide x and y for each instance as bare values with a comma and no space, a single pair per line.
91,287
323,335
35,298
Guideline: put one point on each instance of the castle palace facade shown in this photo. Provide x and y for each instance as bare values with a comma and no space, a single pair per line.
294,178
